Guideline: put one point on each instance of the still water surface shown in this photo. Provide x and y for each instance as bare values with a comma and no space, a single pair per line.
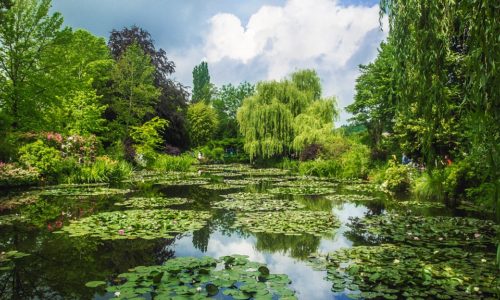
59,266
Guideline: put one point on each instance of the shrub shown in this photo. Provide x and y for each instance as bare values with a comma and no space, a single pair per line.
104,169
322,168
13,175
45,159
430,186
397,178
355,162
167,163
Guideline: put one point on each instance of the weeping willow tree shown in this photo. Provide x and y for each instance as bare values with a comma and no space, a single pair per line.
448,50
285,115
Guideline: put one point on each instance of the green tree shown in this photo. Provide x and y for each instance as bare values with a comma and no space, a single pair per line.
228,100
272,120
133,78
202,88
81,113
202,123
27,30
374,104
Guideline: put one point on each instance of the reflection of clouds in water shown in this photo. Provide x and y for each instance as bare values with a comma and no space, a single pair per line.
343,212
348,210
220,245
308,284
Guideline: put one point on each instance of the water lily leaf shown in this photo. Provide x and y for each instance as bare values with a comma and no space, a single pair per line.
93,284
212,289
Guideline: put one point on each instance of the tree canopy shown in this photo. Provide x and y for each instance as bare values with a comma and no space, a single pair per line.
285,115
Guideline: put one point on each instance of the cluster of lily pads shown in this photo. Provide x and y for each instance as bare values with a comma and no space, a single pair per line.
350,198
83,191
13,201
258,204
304,183
7,257
395,272
131,224
199,278
290,222
301,190
245,196
422,231
221,186
362,187
152,202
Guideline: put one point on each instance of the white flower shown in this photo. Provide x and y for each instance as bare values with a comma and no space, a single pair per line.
483,260
117,294
476,289
198,289
396,261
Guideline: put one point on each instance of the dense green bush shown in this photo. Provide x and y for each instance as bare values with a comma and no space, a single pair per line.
355,162
45,159
181,163
103,169
430,186
320,167
397,178
13,175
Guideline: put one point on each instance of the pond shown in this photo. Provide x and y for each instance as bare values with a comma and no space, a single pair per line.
305,238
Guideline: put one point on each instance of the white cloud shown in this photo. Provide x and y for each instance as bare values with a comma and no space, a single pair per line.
319,34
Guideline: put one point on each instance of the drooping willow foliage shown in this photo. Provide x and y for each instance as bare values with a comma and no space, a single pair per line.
286,115
445,51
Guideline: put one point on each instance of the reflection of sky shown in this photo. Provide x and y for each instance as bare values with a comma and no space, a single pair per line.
308,283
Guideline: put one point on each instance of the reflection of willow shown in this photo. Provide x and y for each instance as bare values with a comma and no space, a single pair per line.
59,266
317,203
300,246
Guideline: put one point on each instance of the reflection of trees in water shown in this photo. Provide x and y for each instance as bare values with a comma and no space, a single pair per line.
59,266
317,203
221,221
296,246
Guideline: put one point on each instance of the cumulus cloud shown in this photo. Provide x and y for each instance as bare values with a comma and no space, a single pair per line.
320,34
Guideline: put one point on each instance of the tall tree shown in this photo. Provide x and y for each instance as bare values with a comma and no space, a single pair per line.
202,123
173,100
374,101
202,88
229,98
27,30
286,115
133,81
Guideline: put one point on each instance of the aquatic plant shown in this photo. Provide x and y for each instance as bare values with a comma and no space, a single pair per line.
288,222
258,204
152,202
6,259
301,190
131,224
396,272
199,278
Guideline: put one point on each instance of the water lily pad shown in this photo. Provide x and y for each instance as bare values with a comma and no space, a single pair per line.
130,224
245,196
84,191
93,284
305,183
198,278
422,231
351,197
6,259
302,190
396,272
244,203
288,222
152,202
221,186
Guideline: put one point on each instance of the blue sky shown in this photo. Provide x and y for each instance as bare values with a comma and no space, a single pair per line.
248,40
